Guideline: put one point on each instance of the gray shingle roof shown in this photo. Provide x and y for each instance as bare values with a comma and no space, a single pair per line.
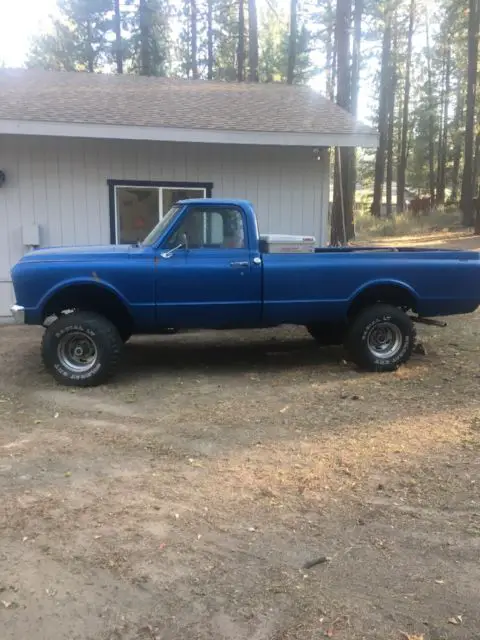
166,102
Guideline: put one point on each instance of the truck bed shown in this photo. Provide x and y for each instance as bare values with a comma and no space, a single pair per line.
441,282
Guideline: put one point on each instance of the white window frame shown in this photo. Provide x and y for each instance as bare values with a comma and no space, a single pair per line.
125,184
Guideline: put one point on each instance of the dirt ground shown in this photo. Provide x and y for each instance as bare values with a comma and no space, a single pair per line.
185,499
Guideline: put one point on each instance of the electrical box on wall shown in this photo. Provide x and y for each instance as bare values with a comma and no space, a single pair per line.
31,235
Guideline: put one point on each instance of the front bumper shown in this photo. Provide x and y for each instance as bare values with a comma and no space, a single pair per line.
18,313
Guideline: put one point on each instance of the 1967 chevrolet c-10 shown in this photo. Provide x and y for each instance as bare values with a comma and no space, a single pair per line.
205,266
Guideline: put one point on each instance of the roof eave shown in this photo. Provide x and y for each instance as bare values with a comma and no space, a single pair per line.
169,134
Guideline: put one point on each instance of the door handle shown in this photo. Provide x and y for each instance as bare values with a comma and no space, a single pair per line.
239,265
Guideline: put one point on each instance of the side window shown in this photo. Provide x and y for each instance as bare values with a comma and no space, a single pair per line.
211,228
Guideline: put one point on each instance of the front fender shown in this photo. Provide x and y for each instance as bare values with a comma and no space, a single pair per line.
36,315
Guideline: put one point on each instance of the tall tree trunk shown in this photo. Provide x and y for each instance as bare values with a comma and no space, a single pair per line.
193,38
334,69
329,90
466,204
210,60
390,142
354,89
356,55
292,43
431,116
118,36
241,42
440,115
382,114
398,132
145,66
476,164
329,54
342,205
457,149
391,118
442,159
402,164
252,41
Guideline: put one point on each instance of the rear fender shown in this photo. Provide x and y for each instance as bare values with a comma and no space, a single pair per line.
393,292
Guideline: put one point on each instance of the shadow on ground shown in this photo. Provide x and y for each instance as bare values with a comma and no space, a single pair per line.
183,500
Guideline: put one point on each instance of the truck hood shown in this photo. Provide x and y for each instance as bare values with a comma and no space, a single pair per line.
77,254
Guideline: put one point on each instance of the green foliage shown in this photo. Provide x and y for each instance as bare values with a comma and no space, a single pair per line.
183,50
226,40
150,38
81,38
78,40
273,42
158,42
273,38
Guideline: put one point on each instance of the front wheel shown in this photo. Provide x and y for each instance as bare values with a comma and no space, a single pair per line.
380,338
81,349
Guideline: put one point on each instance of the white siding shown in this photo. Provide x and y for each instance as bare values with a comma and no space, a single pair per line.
61,185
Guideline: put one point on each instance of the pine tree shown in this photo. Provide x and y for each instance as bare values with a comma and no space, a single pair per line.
226,26
342,207
466,201
151,31
431,112
383,111
79,39
457,142
273,36
443,143
402,162
193,38
241,42
210,59
118,36
292,42
391,95
252,41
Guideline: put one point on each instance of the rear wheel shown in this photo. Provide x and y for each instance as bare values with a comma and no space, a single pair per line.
81,349
326,333
380,338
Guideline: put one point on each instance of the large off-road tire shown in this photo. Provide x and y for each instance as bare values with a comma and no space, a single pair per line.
81,349
380,338
327,333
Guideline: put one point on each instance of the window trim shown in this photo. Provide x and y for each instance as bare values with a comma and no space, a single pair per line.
112,205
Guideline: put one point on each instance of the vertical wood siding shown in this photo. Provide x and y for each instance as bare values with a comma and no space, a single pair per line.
61,185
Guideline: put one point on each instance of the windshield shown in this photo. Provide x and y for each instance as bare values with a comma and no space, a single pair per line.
159,228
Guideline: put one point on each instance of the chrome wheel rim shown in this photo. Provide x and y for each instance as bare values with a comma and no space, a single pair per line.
77,352
384,340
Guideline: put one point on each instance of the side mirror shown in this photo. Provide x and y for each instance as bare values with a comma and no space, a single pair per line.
182,245
170,252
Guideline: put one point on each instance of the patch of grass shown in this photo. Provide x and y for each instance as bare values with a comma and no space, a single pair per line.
367,226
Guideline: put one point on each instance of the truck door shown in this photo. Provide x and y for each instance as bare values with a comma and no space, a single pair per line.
207,275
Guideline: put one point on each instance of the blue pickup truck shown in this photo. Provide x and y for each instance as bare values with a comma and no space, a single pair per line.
205,266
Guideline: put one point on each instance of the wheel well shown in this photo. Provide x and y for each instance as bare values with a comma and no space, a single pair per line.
90,298
395,295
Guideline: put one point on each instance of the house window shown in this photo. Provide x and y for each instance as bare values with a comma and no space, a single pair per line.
136,207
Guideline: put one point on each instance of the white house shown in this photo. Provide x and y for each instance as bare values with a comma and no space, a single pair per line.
89,159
